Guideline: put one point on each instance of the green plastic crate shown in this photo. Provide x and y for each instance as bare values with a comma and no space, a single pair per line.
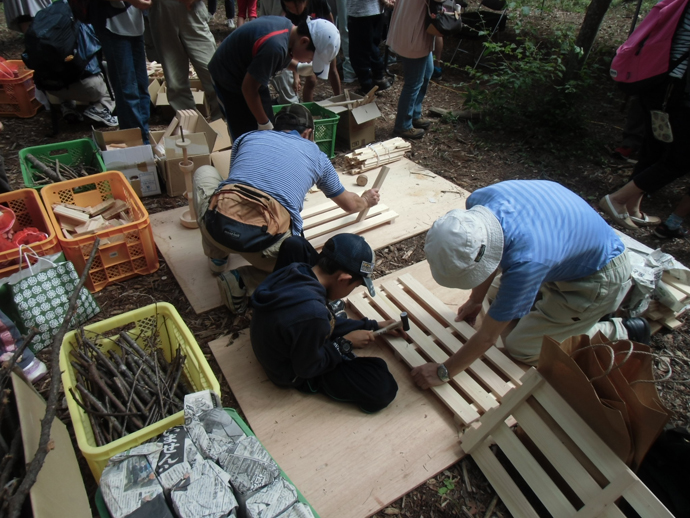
68,153
324,128
103,510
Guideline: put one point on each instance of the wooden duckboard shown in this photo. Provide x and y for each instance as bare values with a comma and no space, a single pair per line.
435,336
418,196
346,463
563,438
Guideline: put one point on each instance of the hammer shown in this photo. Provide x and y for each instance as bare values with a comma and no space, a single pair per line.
403,322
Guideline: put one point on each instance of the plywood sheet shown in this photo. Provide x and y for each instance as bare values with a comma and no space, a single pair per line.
418,196
346,463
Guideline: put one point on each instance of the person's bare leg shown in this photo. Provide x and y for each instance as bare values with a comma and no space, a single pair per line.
627,199
334,79
308,89
240,21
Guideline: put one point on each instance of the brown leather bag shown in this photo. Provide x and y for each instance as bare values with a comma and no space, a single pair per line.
245,219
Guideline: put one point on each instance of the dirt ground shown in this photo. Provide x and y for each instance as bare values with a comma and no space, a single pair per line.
468,157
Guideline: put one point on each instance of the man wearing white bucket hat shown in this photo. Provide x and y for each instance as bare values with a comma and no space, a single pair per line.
542,239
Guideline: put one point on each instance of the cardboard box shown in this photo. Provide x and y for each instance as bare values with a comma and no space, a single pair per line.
135,160
356,127
200,103
59,488
221,161
217,139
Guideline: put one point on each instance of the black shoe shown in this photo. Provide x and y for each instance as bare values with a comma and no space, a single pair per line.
664,232
638,330
383,84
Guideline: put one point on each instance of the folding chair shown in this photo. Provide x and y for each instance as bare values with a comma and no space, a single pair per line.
483,24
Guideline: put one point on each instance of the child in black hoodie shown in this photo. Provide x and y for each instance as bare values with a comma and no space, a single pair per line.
299,340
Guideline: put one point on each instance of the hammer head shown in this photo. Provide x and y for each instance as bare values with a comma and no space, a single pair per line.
405,321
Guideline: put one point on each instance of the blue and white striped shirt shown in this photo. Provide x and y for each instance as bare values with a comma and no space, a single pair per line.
284,165
681,44
550,234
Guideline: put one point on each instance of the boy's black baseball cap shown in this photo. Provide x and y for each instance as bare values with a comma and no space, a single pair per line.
354,255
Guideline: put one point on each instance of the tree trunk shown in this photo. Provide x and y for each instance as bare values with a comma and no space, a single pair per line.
585,38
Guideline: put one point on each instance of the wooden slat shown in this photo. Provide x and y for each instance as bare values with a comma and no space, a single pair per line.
460,408
464,381
380,178
310,212
496,474
337,224
495,417
357,228
644,502
530,470
607,497
497,385
427,300
313,226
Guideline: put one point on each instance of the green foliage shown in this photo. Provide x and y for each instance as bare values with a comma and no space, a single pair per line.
448,485
524,89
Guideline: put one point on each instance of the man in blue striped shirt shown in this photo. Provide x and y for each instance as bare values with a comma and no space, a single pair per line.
541,238
283,164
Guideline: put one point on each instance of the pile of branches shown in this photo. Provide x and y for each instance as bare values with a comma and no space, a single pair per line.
123,393
16,477
48,171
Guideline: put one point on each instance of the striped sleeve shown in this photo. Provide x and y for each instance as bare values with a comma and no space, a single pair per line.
520,284
681,45
329,182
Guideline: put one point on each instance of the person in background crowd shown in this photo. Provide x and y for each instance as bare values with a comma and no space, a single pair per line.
229,11
90,90
247,59
181,34
438,64
660,163
246,10
408,38
120,29
364,22
349,75
297,11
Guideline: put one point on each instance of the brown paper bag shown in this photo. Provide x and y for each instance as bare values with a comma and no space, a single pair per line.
606,417
647,415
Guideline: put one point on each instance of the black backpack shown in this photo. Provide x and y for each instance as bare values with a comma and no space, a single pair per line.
51,48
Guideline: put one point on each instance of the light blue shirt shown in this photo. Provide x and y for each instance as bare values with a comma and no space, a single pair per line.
550,234
284,165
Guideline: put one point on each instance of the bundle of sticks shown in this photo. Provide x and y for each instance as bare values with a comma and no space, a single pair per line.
376,155
51,171
123,393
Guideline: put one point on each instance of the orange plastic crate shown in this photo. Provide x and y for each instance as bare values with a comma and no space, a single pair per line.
130,251
18,94
29,212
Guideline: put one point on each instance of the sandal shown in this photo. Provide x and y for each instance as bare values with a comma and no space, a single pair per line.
646,220
622,219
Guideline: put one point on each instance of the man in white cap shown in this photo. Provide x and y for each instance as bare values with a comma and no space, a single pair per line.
247,59
544,240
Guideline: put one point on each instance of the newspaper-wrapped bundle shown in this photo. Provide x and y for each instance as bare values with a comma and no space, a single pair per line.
129,485
178,457
205,494
299,510
197,403
249,465
272,500
214,433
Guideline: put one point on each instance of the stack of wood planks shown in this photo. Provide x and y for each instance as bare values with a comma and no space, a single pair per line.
183,122
674,302
78,221
376,155
155,69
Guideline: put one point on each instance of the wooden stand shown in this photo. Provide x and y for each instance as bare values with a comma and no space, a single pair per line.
563,438
432,323
188,217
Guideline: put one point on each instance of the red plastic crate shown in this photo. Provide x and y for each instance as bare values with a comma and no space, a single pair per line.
29,212
18,94
132,250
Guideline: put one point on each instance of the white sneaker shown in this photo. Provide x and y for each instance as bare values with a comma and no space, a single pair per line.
231,23
101,115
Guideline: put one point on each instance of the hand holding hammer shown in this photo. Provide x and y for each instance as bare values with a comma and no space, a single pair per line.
403,323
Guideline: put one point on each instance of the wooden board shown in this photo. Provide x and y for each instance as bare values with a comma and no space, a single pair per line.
537,406
418,196
346,463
